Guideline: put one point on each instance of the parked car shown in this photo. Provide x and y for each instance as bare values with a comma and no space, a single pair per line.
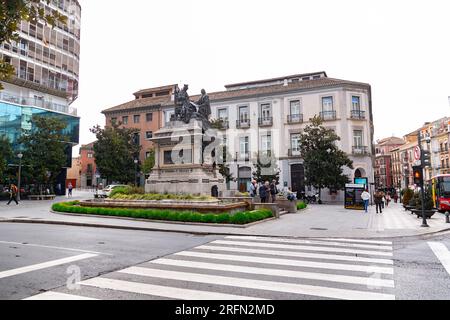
107,191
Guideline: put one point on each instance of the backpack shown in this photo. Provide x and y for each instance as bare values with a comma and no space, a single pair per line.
14,190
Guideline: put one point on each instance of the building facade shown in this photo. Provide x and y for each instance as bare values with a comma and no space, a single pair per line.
45,83
74,173
384,162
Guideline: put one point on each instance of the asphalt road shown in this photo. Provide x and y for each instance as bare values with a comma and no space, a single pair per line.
125,264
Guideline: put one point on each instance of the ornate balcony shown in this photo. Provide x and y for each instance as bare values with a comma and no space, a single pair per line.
328,115
360,150
295,118
265,122
243,124
358,115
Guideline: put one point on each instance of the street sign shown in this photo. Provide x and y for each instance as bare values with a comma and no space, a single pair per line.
417,153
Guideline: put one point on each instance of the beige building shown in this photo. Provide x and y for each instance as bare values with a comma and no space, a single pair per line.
74,173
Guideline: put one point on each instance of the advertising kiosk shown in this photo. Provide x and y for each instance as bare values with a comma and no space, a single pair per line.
353,200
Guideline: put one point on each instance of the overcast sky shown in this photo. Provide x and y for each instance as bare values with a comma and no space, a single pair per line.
401,48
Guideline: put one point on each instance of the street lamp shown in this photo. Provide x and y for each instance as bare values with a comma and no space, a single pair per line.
136,161
20,156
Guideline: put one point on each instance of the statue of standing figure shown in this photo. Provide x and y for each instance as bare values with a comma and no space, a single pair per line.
185,110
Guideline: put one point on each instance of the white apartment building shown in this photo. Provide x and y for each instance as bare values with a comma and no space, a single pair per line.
266,117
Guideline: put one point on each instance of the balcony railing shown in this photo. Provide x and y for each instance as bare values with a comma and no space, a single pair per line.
328,115
223,124
265,121
360,150
243,156
295,118
294,153
40,103
358,115
243,124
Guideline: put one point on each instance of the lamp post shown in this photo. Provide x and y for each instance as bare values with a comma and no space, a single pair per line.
20,156
136,161
422,184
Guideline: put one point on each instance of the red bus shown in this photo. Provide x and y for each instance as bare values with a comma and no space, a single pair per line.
440,186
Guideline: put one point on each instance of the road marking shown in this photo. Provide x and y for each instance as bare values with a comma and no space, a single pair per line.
356,241
52,247
442,253
297,254
314,242
302,247
161,291
278,272
13,272
286,262
50,295
259,284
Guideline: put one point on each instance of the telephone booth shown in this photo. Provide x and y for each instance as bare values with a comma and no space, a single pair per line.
353,200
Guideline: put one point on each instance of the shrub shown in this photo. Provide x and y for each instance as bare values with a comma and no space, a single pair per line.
126,195
408,194
169,215
429,203
301,205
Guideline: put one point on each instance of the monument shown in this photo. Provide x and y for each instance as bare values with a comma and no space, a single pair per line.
185,155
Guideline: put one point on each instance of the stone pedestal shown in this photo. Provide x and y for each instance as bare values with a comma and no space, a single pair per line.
181,166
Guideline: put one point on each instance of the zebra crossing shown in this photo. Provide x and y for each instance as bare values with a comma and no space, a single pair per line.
252,268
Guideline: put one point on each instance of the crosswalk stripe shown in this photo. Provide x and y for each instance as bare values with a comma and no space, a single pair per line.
278,272
259,284
161,291
356,240
302,247
314,242
50,295
286,262
45,265
442,253
297,254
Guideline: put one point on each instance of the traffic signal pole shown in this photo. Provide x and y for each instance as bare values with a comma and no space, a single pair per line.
422,184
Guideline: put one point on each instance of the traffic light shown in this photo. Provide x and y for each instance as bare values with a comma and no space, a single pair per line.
418,175
426,159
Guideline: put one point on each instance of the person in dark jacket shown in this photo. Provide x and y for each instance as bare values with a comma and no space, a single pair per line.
264,192
13,191
378,197
273,191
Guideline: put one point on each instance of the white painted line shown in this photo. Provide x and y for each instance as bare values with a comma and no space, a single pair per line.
278,272
259,284
313,242
298,254
50,295
161,291
52,247
48,264
286,262
302,247
356,240
442,253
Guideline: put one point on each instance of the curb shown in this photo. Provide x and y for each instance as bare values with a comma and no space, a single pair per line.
202,233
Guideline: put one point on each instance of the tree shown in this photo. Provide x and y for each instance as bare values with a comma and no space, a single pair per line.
44,150
115,151
12,12
266,168
6,154
149,163
224,167
324,161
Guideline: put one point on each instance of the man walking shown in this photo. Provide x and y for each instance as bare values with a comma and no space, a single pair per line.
70,187
379,201
13,194
366,198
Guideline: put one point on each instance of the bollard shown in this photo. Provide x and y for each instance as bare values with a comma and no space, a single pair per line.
447,217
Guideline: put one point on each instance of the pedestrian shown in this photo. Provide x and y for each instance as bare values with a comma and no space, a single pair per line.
396,197
388,199
13,190
263,192
366,198
273,191
290,195
253,189
70,188
379,201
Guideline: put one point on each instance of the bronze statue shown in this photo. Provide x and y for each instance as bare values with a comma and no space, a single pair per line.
185,110
204,107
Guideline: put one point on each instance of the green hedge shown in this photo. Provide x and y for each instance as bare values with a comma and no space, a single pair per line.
301,206
168,215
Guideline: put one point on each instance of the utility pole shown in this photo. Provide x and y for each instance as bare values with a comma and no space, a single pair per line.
422,185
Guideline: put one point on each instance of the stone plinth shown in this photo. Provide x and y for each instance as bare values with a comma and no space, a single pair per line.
181,165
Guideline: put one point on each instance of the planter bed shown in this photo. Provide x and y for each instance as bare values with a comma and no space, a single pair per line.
428,213
239,218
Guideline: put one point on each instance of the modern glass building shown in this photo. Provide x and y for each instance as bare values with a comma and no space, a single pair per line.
46,61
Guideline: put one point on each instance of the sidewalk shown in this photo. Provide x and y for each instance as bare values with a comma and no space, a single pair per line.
316,221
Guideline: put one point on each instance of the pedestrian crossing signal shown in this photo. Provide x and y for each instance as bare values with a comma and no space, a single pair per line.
418,176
